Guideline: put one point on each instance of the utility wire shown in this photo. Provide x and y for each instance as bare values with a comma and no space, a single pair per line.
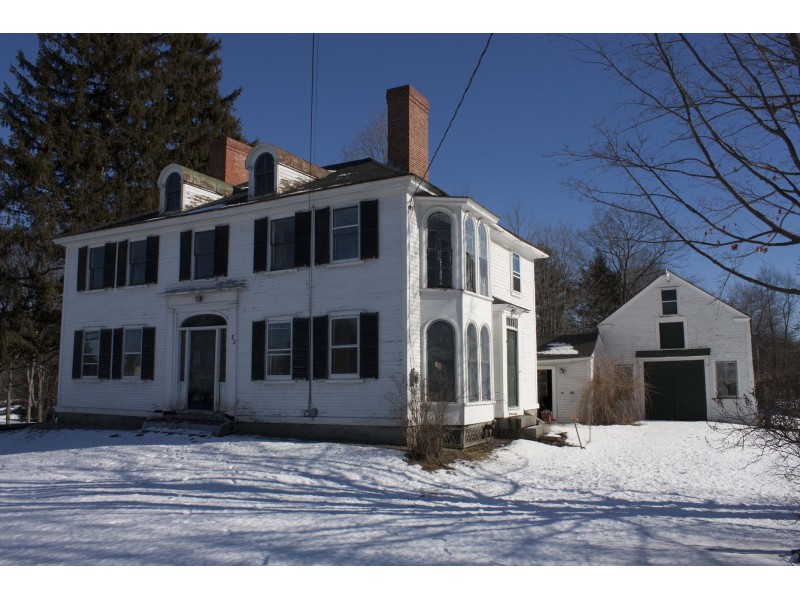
312,139
455,112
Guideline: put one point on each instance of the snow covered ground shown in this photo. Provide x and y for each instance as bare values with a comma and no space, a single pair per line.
654,494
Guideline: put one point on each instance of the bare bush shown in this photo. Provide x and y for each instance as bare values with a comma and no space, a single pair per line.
610,398
423,408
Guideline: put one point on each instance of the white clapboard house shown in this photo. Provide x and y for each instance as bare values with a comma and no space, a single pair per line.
295,299
689,352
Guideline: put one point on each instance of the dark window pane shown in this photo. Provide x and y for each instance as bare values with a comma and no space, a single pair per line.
172,192
440,253
671,335
669,302
137,261
282,244
472,363
204,254
344,361
344,331
441,366
96,262
264,174
345,233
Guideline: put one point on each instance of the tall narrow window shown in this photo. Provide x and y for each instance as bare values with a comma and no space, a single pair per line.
264,174
344,346
669,302
204,254
516,273
282,244
483,260
172,193
473,395
137,262
279,349
96,263
344,232
441,363
440,252
469,255
91,354
132,353
486,362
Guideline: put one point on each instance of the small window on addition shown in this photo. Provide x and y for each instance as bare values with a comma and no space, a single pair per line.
669,302
727,380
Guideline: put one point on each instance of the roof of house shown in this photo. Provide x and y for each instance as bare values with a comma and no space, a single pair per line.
571,345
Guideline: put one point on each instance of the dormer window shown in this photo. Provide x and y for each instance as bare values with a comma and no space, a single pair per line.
172,193
264,174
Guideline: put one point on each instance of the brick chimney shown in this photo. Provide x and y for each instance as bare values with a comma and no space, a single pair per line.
227,160
408,129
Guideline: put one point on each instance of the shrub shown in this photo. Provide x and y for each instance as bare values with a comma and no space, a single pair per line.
610,398
423,407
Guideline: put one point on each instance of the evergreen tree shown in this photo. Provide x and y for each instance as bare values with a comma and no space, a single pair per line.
93,121
599,293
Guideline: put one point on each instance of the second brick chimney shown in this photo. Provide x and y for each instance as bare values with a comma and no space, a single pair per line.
408,129
227,160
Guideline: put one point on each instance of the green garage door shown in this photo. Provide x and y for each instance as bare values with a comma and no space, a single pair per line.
677,390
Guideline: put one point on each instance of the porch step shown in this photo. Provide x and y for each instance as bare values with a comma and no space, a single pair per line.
521,427
198,423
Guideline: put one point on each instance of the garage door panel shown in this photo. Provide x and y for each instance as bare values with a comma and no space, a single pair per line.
676,390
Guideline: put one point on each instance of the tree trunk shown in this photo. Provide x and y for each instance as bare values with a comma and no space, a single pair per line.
29,374
8,392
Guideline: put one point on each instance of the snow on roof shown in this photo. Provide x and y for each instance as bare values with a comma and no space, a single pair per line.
559,348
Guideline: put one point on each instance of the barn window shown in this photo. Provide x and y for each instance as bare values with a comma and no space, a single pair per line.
669,302
671,335
727,379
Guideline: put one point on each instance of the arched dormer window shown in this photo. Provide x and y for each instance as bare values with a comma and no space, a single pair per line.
469,255
172,193
440,252
483,260
264,174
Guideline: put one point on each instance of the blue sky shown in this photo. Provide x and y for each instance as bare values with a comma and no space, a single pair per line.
532,96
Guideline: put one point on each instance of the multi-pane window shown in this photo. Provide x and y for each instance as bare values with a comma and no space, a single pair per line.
469,255
90,363
96,261
441,364
132,353
344,232
669,302
344,346
486,375
516,273
279,349
473,394
137,262
172,193
727,379
671,335
264,174
483,260
282,244
440,252
204,254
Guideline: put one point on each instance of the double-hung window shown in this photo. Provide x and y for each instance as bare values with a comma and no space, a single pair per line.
279,350
483,260
727,379
344,346
469,255
516,273
344,233
96,263
132,353
90,361
669,302
203,254
282,244
137,262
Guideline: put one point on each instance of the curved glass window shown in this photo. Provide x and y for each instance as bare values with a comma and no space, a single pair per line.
473,395
440,252
441,362
172,193
483,260
469,255
204,321
486,362
264,174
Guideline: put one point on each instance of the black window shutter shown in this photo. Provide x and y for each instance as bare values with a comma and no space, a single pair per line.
257,350
322,236
300,348
104,368
83,253
302,239
260,240
151,258
186,256
221,233
122,267
109,262
77,354
116,355
369,345
148,352
369,229
321,347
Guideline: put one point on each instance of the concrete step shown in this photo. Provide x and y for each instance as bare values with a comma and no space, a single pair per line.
197,423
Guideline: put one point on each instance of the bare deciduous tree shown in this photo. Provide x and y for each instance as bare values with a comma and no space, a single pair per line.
710,145
371,142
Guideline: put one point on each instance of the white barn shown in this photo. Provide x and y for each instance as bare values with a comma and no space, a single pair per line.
292,298
689,352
